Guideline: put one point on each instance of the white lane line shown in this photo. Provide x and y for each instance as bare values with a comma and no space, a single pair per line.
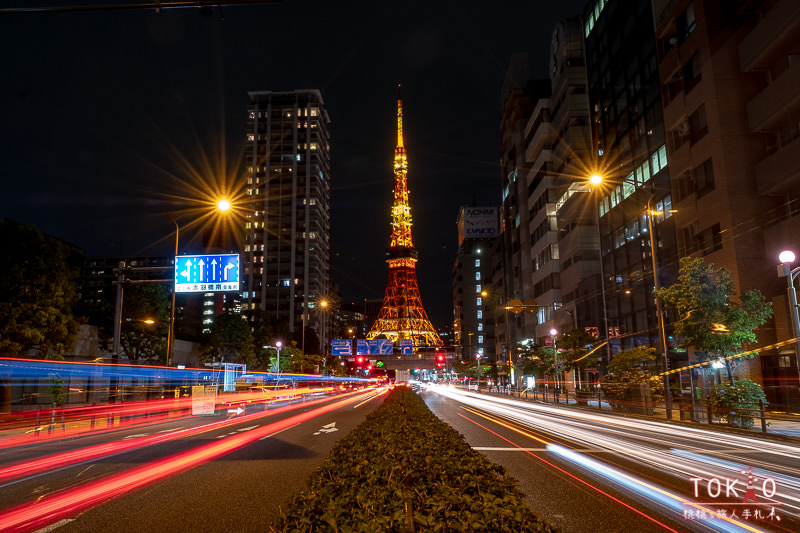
51,527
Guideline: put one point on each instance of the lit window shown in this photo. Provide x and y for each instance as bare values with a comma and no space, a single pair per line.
480,326
477,263
478,301
480,339
478,288
480,313
478,276
251,137
286,282
208,312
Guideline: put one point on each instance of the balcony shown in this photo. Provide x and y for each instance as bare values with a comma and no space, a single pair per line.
773,36
778,101
780,172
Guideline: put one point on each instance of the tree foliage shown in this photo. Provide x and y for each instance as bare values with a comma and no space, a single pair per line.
139,340
37,292
715,321
230,340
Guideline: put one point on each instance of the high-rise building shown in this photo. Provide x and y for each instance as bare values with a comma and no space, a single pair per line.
287,253
629,147
473,301
526,229
729,78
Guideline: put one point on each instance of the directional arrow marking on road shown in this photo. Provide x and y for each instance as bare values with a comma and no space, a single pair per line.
327,428
236,411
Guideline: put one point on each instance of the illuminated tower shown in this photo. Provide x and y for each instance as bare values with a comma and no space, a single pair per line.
401,315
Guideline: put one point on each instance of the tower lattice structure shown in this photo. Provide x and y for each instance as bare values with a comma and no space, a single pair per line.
402,315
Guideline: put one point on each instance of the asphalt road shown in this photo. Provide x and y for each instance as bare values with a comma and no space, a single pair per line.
219,474
589,471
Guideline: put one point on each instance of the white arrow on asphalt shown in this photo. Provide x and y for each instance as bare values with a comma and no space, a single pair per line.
236,411
327,428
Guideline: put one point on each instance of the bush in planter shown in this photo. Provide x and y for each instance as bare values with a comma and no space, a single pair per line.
403,469
738,402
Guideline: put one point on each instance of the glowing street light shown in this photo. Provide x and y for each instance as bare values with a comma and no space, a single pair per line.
224,205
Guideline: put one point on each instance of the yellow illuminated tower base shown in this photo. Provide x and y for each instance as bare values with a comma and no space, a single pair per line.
402,315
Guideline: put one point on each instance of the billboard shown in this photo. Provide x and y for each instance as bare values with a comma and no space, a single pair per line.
477,223
207,273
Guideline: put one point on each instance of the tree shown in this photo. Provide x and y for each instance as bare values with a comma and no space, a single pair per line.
140,340
37,292
230,340
629,369
716,321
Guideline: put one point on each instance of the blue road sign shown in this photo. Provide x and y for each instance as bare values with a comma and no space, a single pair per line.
341,347
207,273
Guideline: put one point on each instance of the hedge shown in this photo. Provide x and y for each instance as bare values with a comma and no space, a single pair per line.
403,469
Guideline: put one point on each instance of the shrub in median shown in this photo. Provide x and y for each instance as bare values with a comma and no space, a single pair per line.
403,469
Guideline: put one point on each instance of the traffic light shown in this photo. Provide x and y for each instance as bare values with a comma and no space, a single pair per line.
359,360
440,359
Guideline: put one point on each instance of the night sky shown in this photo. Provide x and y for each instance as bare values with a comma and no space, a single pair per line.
110,120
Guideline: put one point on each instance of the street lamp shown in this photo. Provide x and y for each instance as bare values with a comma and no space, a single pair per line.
596,180
553,335
785,270
171,329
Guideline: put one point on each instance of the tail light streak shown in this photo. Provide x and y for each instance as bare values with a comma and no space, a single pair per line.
53,462
52,508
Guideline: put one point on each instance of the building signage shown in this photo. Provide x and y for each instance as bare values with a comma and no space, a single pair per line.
477,223
207,273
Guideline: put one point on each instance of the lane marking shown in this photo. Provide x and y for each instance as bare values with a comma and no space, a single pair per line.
327,428
51,527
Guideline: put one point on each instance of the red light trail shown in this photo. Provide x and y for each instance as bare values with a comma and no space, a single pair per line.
49,509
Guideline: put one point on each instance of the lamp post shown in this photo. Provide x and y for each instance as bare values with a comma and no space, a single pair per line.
278,345
553,335
596,180
787,257
324,330
171,329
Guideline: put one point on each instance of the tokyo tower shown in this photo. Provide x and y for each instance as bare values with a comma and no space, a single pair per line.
402,315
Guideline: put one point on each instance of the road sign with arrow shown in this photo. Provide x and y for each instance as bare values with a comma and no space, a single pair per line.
207,273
